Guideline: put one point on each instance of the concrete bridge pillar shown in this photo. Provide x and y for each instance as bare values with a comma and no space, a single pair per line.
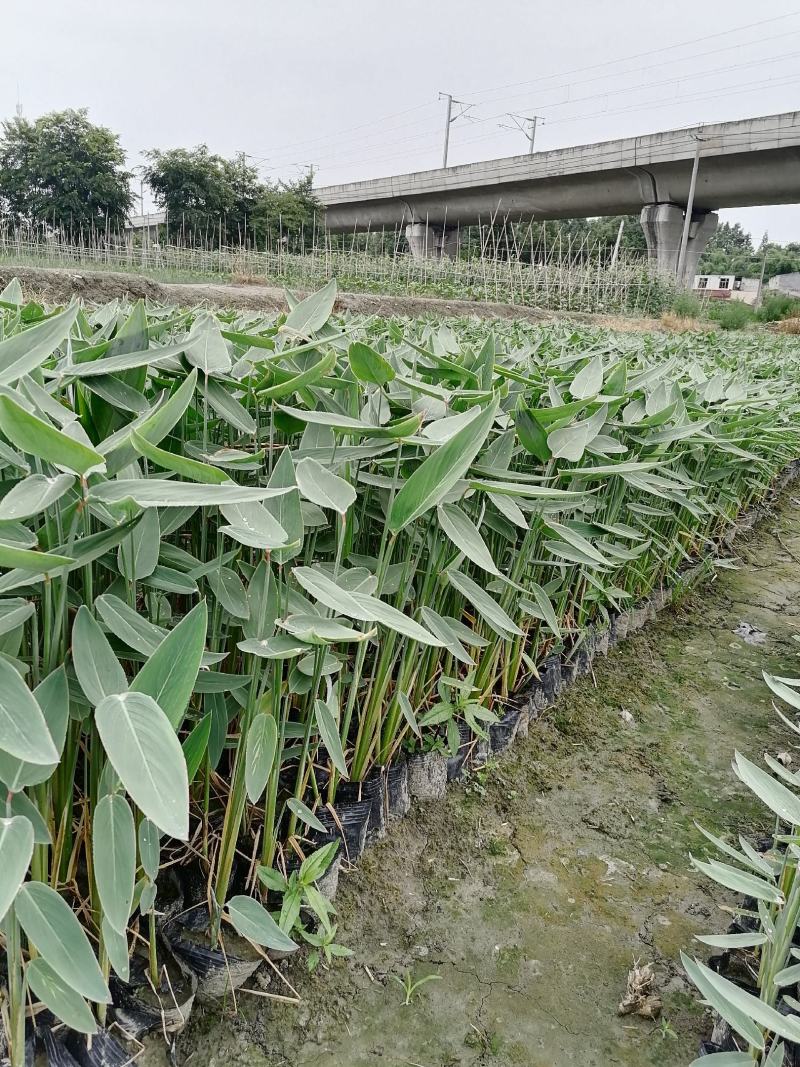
427,241
663,229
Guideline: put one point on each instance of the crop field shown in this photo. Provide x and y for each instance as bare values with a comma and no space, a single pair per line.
562,279
265,578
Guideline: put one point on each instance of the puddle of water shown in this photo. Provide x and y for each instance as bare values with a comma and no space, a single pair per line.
533,901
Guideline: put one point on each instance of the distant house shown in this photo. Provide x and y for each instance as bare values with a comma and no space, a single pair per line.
146,225
726,287
786,283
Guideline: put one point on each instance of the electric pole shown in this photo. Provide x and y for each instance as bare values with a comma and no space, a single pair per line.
529,131
449,119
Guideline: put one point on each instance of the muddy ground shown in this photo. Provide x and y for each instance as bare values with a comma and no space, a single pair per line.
57,284
534,887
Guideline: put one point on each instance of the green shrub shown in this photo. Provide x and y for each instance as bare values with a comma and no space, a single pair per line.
688,306
778,306
731,314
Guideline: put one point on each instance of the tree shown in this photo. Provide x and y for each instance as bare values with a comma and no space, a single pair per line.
287,210
63,171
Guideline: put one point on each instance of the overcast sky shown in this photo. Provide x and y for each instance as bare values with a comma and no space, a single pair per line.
352,87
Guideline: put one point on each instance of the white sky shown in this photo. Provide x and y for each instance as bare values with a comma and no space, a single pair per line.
352,87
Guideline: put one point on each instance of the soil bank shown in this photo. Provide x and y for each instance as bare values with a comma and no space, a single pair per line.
534,887
54,284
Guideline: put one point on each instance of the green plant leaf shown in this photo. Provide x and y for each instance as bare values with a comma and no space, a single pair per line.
32,495
196,745
145,752
329,732
251,920
310,315
435,477
192,469
51,925
23,729
496,616
170,673
38,438
262,743
23,352
60,997
99,671
466,536
322,487
114,854
16,850
368,365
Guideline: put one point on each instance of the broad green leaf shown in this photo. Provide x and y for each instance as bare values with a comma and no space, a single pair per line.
116,946
16,850
205,347
487,606
466,536
285,509
262,742
732,940
229,590
114,854
145,752
435,477
99,671
302,380
24,559
329,732
51,925
252,524
137,555
170,673
252,920
310,315
196,745
149,848
60,997
157,493
23,729
745,1004
32,495
570,442
322,487
305,815
588,381
39,438
777,797
368,365
187,468
739,881
23,352
227,406
52,695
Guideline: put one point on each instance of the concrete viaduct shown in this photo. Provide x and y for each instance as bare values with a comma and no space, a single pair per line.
738,164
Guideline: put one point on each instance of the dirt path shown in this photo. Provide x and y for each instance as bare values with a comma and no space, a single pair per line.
58,284
533,888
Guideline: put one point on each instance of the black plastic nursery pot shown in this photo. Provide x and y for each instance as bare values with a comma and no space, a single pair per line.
141,1009
514,723
427,775
550,677
455,764
398,797
102,1050
350,825
373,790
217,971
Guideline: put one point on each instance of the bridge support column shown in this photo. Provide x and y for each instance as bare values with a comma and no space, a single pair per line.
663,229
427,241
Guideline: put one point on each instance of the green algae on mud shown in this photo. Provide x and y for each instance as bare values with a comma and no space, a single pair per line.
534,886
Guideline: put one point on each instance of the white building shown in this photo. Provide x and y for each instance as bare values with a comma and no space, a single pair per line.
727,287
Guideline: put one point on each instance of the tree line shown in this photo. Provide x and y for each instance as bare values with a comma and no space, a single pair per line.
64,173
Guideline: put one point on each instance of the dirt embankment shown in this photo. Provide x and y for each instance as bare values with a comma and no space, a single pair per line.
59,284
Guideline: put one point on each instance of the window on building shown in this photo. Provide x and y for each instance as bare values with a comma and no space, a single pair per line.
724,283
702,283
